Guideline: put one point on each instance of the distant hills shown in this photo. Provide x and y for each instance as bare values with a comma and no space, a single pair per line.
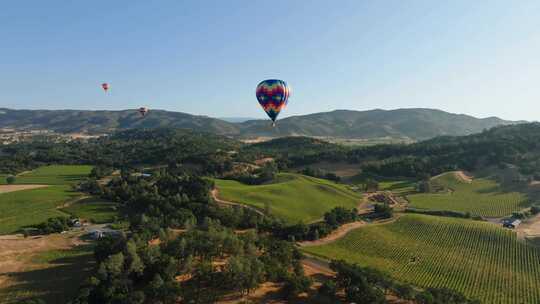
78,121
412,124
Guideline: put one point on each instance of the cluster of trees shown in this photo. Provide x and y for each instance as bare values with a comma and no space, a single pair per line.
320,174
304,232
291,152
264,174
383,211
534,210
11,179
516,145
367,285
198,266
198,151
100,171
53,225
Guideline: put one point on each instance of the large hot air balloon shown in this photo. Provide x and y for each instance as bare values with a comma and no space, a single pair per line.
272,95
105,86
143,111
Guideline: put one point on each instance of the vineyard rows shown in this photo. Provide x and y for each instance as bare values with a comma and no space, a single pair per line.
481,197
479,259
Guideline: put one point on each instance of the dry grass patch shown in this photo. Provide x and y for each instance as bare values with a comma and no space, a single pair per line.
13,188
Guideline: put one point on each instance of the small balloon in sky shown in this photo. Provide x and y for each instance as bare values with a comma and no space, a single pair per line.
105,86
143,111
273,95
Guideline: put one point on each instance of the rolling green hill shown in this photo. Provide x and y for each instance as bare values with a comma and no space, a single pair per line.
30,207
483,196
403,124
479,259
292,197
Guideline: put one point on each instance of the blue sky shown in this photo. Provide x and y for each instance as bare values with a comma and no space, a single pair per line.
205,57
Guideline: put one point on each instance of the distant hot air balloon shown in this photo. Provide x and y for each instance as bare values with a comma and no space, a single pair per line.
143,111
105,86
273,95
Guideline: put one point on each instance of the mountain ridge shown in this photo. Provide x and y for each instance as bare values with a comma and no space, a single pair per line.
403,123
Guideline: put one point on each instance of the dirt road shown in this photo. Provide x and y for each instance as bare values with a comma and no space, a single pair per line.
530,228
460,175
215,193
336,234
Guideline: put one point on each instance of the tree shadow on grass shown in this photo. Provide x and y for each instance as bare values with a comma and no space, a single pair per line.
58,283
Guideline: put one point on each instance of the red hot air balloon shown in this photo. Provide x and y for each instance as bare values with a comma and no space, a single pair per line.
105,86
143,111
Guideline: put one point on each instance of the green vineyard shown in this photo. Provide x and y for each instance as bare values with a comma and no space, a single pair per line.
292,197
477,258
480,197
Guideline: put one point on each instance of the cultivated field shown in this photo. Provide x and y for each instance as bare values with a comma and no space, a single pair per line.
29,207
96,210
482,196
398,187
293,197
477,258
52,175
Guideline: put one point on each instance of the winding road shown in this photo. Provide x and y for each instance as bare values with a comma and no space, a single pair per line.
215,193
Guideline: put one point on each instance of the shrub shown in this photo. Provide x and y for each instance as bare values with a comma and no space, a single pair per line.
53,225
10,179
383,210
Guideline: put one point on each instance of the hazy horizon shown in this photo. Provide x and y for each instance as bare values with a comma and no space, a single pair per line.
478,59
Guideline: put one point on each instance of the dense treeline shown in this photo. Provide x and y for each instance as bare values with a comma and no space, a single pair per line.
199,151
198,266
516,145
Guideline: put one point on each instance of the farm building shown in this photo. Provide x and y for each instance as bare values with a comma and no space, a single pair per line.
511,223
97,234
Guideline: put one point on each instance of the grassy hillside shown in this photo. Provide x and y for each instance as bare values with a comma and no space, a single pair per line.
29,207
482,196
51,175
476,258
293,197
